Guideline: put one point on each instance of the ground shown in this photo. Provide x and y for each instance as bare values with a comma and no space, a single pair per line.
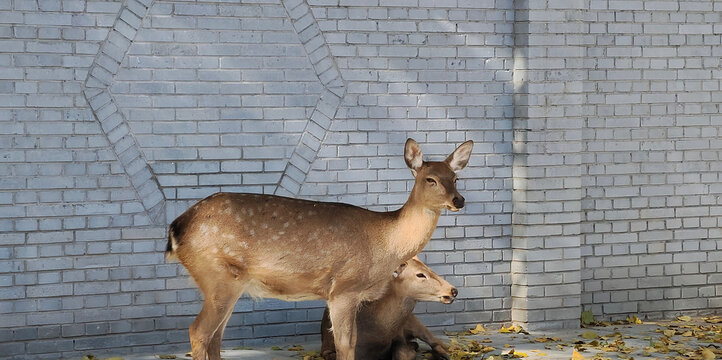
681,338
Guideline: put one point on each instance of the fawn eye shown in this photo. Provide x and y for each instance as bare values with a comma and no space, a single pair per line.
431,181
421,275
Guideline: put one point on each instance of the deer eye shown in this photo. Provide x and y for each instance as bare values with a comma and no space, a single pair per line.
421,275
431,181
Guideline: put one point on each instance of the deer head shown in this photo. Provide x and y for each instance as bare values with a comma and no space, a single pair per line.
435,185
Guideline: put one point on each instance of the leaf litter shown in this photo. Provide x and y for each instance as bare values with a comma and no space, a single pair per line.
684,337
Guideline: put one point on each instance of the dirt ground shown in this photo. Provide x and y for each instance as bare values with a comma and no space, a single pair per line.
681,338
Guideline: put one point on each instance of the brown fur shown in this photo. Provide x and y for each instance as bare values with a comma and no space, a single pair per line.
386,326
272,246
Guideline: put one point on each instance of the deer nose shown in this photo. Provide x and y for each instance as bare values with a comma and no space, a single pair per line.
458,201
454,292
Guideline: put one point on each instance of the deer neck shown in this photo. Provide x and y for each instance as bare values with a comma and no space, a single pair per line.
413,228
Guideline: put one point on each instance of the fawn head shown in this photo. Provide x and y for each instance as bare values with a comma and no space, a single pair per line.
421,283
436,180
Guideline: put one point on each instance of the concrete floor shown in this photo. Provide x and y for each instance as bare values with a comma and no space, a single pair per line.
636,338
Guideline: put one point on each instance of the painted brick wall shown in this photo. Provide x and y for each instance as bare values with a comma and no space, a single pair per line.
594,182
651,157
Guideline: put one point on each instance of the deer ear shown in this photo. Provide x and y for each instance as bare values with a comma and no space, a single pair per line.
399,270
413,155
460,157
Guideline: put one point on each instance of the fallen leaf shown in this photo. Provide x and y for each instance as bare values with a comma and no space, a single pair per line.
668,333
589,335
165,356
513,329
633,319
587,317
478,329
684,318
576,355
296,348
188,354
275,348
546,339
508,352
88,357
519,355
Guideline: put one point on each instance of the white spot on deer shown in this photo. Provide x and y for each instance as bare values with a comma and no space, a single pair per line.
286,224
228,236
215,250
215,229
275,237
243,244
252,232
227,211
204,229
250,212
238,219
264,226
227,201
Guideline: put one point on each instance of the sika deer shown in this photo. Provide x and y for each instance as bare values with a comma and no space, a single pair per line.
271,246
386,326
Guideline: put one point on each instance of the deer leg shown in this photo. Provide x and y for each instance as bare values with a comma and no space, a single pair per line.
217,306
214,348
414,329
342,311
328,348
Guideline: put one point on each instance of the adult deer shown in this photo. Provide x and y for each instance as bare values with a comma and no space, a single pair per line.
289,249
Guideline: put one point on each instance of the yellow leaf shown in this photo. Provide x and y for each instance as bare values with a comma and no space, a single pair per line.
633,319
164,356
589,335
707,354
520,355
296,348
668,333
478,329
275,348
576,355
687,333
504,330
684,318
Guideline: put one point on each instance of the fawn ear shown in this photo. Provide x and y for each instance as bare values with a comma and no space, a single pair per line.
399,270
412,155
460,157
